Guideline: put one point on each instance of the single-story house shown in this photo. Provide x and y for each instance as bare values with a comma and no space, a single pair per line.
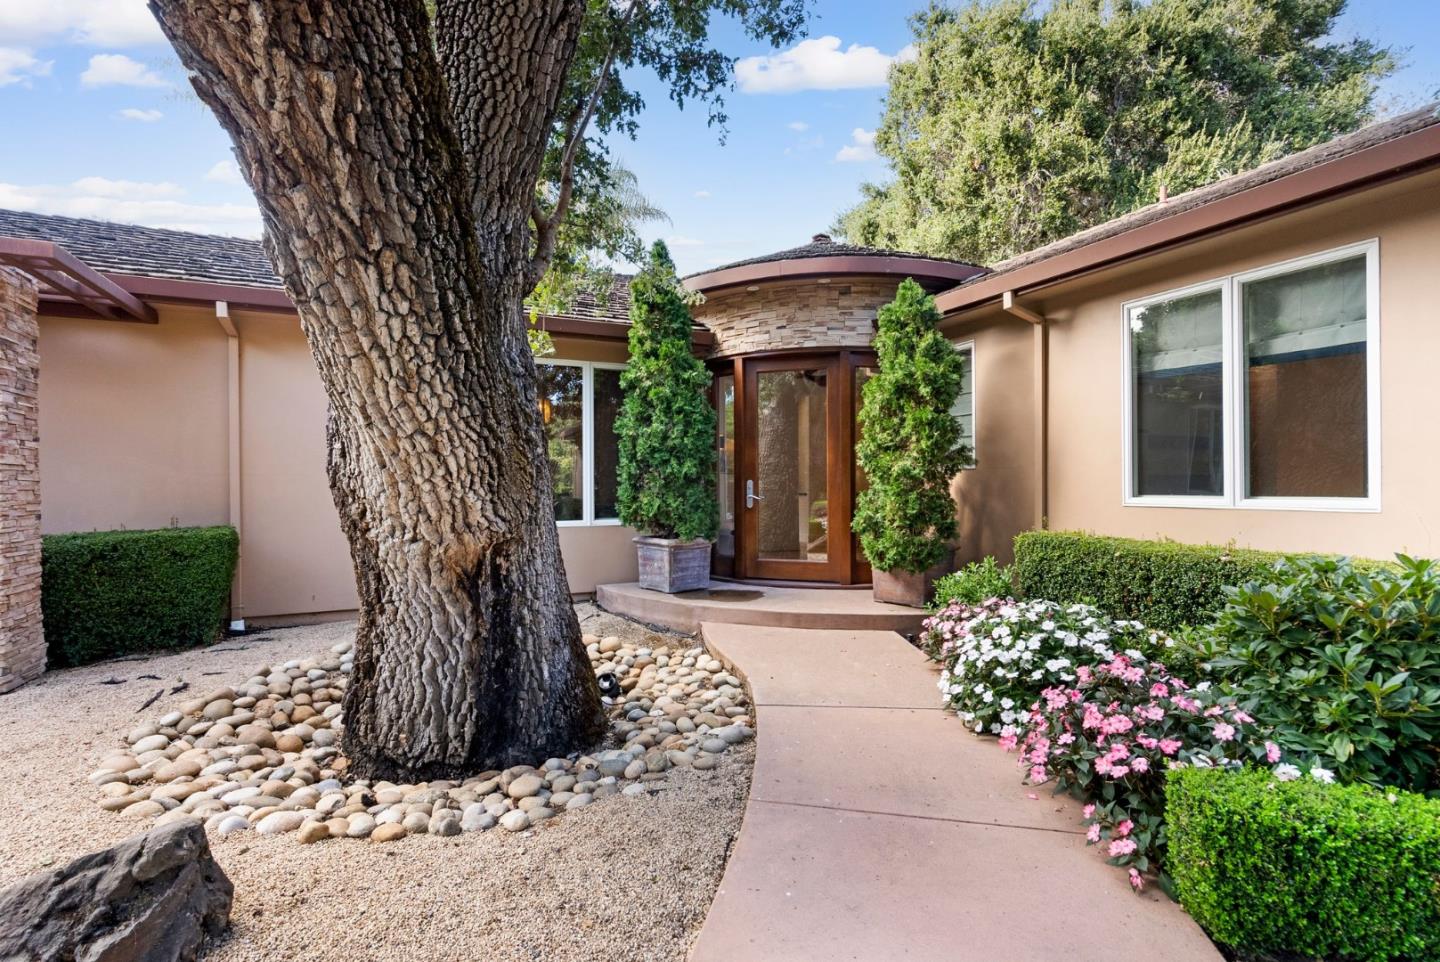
1249,362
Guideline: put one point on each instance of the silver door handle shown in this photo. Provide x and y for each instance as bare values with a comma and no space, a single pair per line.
750,496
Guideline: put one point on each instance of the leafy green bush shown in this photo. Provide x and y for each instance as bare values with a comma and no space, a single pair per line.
666,426
1165,584
1321,871
977,582
109,593
1343,663
910,446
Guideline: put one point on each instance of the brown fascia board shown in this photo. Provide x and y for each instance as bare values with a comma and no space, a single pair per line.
1391,160
921,268
67,274
179,291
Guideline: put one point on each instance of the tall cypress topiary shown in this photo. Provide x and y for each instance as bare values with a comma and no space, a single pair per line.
666,427
909,443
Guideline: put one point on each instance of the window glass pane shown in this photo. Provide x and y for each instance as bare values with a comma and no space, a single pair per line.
963,410
561,390
793,517
1305,383
725,463
1176,361
606,392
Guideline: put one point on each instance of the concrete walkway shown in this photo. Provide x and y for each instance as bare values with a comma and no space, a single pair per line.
879,829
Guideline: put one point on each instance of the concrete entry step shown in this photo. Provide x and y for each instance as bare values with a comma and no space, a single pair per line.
744,604
878,828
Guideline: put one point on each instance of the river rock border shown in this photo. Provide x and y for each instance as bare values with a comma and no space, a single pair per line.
265,755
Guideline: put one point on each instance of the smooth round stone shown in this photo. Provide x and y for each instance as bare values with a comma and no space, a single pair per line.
541,814
312,832
416,822
614,767
218,709
184,768
144,809
119,763
445,824
476,819
391,815
734,734
715,746
257,735
516,821
230,824
151,743
706,762
559,799
635,769
525,786
390,832
634,788
361,825
338,827
277,823
579,801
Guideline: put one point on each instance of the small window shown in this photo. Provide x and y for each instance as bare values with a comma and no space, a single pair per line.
963,410
1258,390
579,404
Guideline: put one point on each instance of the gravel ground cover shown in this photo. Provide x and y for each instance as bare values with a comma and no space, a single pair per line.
621,876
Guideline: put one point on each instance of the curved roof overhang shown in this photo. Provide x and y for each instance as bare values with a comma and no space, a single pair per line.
931,274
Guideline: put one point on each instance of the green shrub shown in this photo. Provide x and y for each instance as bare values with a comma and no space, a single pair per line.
1165,584
1343,663
977,582
109,593
910,446
666,428
1321,871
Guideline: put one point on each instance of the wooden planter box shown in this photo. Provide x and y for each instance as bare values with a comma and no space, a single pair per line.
670,565
907,587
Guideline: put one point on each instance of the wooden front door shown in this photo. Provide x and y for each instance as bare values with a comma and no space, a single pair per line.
794,489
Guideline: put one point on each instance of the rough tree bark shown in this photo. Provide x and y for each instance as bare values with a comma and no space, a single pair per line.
399,227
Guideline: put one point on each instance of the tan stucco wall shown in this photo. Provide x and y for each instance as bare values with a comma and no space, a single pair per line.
134,428
1086,389
796,314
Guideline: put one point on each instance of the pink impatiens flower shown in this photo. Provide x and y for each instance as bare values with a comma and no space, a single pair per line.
1272,752
1140,764
1124,828
1137,881
1170,746
1224,732
1093,833
1007,741
1088,811
1122,846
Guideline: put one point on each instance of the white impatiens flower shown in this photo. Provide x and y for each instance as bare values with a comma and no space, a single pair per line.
1322,775
1287,772
1007,703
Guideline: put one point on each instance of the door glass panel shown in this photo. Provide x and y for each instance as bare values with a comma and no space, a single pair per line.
792,464
725,463
862,375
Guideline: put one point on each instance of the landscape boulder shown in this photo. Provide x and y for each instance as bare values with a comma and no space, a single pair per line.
151,898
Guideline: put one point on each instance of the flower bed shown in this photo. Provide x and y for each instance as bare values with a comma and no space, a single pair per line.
998,656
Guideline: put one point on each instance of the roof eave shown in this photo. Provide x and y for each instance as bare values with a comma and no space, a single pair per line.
1404,156
921,268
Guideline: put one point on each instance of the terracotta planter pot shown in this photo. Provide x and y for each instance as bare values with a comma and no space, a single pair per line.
670,565
907,587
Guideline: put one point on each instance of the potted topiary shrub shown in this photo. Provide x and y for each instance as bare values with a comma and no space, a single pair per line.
666,432
910,451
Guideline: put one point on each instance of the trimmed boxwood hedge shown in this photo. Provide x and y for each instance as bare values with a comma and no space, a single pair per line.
1320,871
110,593
1164,584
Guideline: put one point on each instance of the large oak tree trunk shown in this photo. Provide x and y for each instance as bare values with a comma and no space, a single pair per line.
406,262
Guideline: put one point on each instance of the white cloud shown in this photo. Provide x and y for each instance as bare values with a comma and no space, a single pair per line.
860,148
798,125
159,204
702,194
116,69
815,64
97,23
18,66
144,116
677,240
225,172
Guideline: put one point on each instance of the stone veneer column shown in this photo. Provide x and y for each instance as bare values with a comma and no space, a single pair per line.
22,640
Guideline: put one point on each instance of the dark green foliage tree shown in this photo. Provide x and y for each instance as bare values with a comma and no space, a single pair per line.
1020,123
909,443
666,427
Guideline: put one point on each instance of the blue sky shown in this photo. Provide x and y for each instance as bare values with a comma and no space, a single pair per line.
94,123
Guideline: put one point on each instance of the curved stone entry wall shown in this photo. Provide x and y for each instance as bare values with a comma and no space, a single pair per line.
802,313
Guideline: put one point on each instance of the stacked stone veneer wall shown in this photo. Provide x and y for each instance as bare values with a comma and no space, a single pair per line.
796,314
22,640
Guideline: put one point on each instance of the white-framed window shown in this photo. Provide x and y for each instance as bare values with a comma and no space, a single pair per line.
963,410
579,402
1258,390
